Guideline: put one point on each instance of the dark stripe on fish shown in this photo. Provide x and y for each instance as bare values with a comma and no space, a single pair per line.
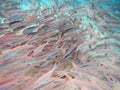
70,52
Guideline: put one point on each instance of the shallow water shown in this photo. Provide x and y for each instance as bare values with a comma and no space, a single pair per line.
59,45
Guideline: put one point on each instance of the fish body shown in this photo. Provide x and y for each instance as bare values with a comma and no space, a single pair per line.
44,78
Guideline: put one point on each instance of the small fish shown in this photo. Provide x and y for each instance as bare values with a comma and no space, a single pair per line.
30,62
7,37
52,53
88,85
11,12
80,83
80,69
64,8
83,58
43,79
29,30
30,19
94,34
12,81
90,11
76,15
70,52
56,23
15,17
67,28
39,49
12,52
15,25
7,82
8,63
79,46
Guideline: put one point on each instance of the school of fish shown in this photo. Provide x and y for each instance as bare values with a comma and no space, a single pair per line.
66,46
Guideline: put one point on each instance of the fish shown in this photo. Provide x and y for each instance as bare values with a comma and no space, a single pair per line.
15,25
94,33
105,50
67,28
8,64
44,78
32,40
70,51
51,53
30,29
64,9
7,82
90,11
81,45
83,58
80,69
8,37
31,62
44,21
10,53
13,12
56,23
3,27
80,83
77,15
30,19
15,17
39,49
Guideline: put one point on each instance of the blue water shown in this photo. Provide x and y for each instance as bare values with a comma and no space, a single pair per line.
49,3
